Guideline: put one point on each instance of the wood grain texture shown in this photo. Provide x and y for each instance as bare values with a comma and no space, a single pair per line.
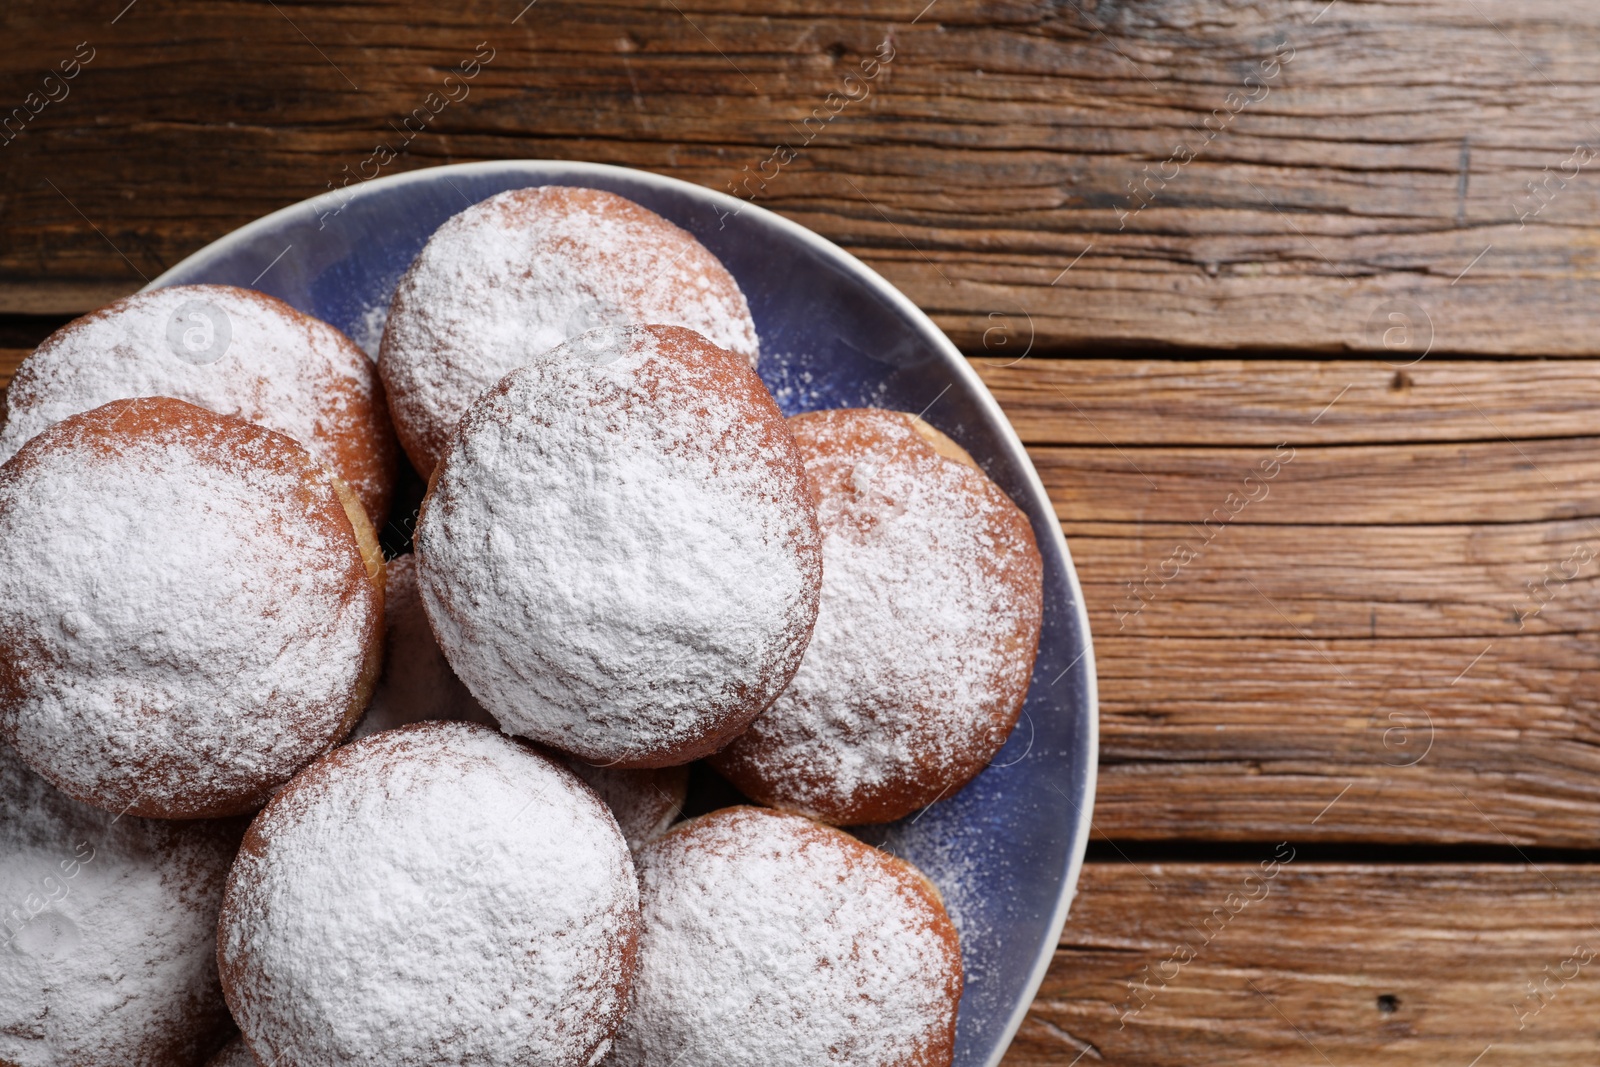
1385,162
1294,976
1400,633
1252,402
1480,482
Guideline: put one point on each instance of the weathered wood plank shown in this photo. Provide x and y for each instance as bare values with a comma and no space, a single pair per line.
1478,482
1327,964
1398,740
1407,627
1363,583
66,297
1305,402
1003,140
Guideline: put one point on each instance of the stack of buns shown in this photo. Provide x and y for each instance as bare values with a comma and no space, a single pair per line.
428,810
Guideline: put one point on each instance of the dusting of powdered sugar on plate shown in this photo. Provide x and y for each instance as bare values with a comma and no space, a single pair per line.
368,331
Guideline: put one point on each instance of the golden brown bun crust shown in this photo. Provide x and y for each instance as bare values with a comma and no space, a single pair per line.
772,762
366,537
358,442
328,507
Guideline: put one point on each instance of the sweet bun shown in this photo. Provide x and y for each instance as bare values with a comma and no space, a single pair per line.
619,552
229,350
770,939
932,600
108,940
432,895
645,802
191,608
521,272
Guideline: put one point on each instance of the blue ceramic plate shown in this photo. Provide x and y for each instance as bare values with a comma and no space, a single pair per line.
1006,850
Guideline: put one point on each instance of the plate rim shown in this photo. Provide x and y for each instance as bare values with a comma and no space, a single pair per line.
1089,758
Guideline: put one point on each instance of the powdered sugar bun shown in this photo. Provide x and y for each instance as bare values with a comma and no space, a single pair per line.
108,933
645,802
234,1054
232,351
932,599
432,895
521,272
417,683
619,553
191,608
770,939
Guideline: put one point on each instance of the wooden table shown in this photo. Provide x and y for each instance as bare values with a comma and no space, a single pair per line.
1186,242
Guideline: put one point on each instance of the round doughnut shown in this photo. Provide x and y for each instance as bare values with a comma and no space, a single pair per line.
234,1054
771,939
521,272
432,895
191,608
108,937
932,599
645,802
417,683
232,351
619,553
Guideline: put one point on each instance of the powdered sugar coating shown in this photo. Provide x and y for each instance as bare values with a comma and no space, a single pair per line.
932,600
261,360
769,939
436,894
523,271
107,932
619,553
186,616
417,683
